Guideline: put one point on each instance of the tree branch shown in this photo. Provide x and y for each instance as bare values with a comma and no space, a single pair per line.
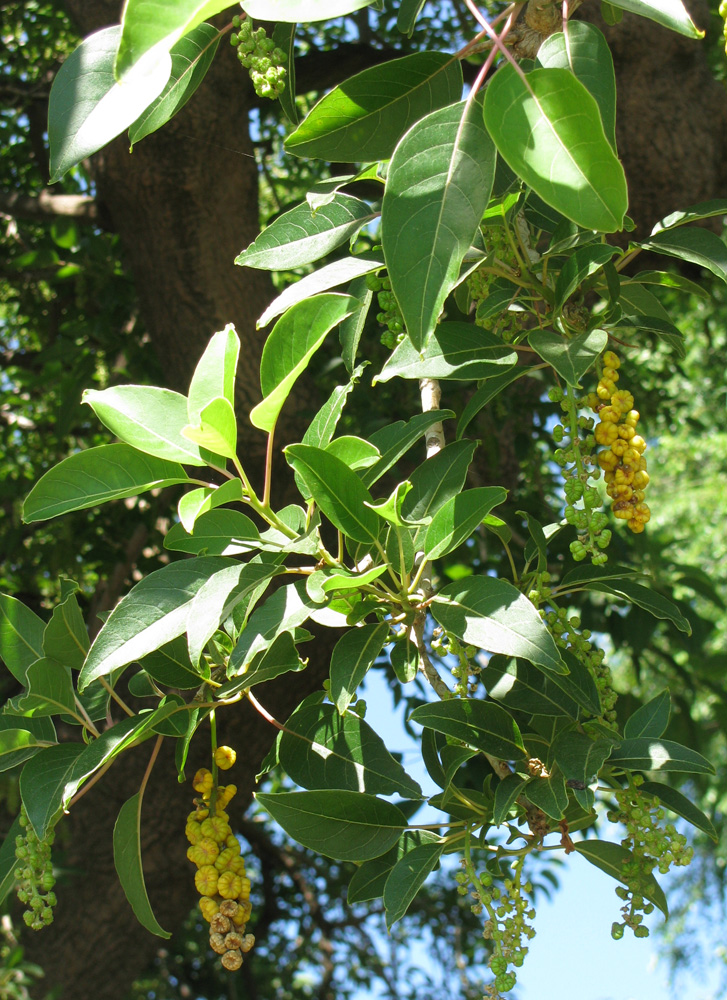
80,207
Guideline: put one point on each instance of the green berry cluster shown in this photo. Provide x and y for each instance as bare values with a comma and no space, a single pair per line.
576,459
505,323
568,635
652,845
260,57
389,314
34,875
466,670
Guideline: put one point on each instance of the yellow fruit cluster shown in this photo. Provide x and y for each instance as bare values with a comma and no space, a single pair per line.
622,459
221,881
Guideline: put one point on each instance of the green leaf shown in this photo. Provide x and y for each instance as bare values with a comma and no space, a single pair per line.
651,719
147,418
301,10
8,861
352,328
692,243
578,684
680,804
571,358
321,749
338,491
217,429
645,753
670,13
214,375
292,343
506,794
218,533
454,351
127,859
65,638
21,636
459,517
396,439
548,129
284,611
611,859
549,794
584,262
355,452
406,879
522,688
280,658
580,759
321,280
216,598
668,279
43,781
284,37
407,15
363,119
300,236
437,187
404,658
437,480
97,475
87,108
153,613
369,879
150,28
50,690
191,58
480,724
486,393
17,745
585,52
650,600
495,616
704,210
354,653
344,825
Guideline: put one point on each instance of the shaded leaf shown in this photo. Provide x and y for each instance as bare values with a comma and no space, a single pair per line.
127,860
571,358
481,724
646,753
354,653
487,392
21,636
651,719
321,280
407,877
454,351
458,518
523,688
396,439
611,858
680,804
284,611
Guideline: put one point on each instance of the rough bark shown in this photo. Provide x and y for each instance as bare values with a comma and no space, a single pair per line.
185,203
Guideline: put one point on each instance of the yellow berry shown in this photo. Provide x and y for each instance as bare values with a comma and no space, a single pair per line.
225,757
217,943
217,828
209,907
232,960
202,781
193,832
206,880
229,885
611,360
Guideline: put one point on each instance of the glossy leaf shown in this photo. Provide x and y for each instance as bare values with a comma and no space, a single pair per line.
65,637
406,879
670,13
549,794
284,611
480,724
354,653
680,804
147,418
214,375
300,236
43,781
495,616
17,745
646,753
404,657
150,28
352,328
703,210
454,351
322,749
696,245
650,600
338,491
571,358
216,532
437,187
301,10
292,343
321,280
585,52
437,480
150,615
50,690
281,657
611,858
191,58
97,475
548,129
8,860
396,439
458,518
362,119
580,265
523,688
578,684
580,759
127,860
344,825
87,108
217,429
369,879
21,636
651,719
507,793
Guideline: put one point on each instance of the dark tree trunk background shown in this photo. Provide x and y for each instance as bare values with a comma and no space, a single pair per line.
185,203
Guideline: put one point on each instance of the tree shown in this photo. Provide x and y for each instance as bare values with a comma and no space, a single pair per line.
516,227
